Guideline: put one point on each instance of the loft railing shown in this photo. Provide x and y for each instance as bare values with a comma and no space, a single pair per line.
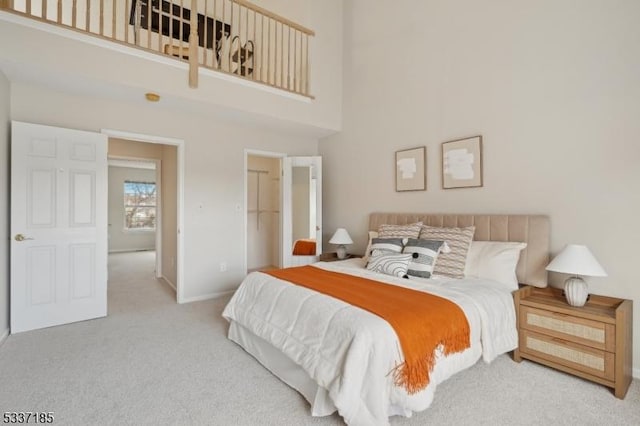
230,36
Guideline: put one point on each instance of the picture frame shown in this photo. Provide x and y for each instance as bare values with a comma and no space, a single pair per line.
411,169
462,163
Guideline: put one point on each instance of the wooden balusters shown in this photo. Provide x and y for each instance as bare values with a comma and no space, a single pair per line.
126,21
216,59
307,66
114,11
255,46
241,38
101,18
291,52
205,33
149,13
181,29
193,44
87,17
136,24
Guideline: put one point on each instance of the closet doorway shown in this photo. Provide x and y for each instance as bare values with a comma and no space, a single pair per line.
263,217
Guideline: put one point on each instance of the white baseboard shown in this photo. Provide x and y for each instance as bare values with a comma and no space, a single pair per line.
171,284
636,373
4,336
206,296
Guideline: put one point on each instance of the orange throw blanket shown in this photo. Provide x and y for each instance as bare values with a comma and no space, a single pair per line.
304,248
422,321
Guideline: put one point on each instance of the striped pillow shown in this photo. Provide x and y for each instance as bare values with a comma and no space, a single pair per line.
458,239
424,254
394,264
385,245
400,231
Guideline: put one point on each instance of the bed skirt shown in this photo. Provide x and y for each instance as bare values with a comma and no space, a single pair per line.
293,375
284,369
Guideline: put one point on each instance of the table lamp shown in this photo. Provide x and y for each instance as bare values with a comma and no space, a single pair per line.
576,260
342,238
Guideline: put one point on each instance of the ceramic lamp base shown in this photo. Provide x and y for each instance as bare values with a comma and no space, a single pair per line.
341,251
576,291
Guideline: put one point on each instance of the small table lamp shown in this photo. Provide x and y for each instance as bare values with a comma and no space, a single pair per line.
342,238
576,260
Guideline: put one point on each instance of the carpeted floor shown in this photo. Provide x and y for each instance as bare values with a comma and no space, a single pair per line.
153,362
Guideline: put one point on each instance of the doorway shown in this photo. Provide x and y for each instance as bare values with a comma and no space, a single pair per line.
263,220
149,202
271,215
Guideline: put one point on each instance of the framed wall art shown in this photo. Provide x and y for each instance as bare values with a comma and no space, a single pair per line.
411,173
462,163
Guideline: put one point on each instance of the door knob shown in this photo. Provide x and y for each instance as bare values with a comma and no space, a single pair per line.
20,237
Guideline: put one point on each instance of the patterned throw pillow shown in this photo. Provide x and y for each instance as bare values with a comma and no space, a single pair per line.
424,254
394,264
386,245
400,231
458,239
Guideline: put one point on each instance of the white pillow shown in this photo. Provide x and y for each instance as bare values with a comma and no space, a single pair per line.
494,260
367,253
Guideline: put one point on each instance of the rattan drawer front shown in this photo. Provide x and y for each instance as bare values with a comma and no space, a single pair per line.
591,361
586,332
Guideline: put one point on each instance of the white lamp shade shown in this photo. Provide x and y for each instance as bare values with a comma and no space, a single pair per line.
576,259
341,236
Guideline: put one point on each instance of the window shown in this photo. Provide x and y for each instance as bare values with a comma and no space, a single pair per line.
139,205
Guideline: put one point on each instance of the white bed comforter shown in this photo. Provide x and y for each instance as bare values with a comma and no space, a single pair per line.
349,351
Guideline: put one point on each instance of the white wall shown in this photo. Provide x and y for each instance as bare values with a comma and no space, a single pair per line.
5,116
551,86
169,189
121,239
214,170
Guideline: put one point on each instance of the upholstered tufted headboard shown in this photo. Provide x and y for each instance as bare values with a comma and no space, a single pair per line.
531,229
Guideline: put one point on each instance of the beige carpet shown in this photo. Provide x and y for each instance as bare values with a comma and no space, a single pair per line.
153,362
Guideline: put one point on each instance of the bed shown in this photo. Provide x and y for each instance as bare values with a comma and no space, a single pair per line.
339,357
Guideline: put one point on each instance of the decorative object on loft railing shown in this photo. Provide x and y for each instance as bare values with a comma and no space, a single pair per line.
462,163
236,57
242,55
411,169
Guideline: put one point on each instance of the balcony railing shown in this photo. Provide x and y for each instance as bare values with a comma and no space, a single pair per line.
230,36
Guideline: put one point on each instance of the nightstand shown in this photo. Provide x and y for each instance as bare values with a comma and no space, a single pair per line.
332,257
593,341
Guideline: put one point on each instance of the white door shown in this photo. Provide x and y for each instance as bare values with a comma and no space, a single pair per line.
58,226
301,207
